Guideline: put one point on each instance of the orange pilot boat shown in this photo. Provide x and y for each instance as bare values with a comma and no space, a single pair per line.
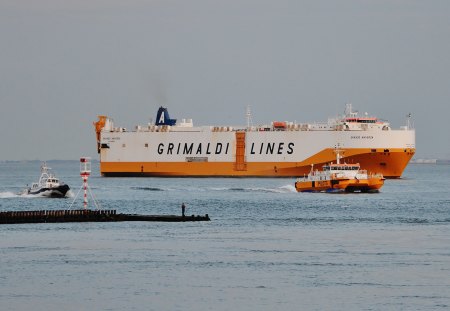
338,177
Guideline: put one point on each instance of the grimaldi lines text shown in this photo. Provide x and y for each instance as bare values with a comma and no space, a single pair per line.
279,149
218,148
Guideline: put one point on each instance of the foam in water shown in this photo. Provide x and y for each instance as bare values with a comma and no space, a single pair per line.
288,188
7,194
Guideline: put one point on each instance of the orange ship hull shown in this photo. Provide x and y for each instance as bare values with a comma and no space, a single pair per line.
390,163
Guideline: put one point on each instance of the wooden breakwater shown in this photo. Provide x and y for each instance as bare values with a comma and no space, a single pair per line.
86,215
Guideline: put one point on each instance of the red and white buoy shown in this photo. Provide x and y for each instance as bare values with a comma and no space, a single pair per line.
85,171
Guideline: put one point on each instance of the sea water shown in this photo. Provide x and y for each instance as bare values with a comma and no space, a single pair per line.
266,247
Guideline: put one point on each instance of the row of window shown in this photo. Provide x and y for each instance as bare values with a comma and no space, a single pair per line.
345,168
124,145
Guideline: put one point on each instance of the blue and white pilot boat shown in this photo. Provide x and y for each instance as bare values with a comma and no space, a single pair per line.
48,185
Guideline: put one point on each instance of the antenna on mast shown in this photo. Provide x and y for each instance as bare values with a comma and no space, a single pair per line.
249,117
349,111
408,121
338,151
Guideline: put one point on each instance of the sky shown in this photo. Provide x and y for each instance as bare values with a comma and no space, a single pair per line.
62,63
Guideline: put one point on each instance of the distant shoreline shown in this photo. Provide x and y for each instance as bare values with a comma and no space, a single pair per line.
430,161
53,160
416,161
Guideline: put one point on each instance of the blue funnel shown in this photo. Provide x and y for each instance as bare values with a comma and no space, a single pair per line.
163,118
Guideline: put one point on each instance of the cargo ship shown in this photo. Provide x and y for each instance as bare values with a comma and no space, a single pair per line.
168,148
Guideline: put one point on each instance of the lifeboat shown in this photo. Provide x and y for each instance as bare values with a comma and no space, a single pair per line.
279,125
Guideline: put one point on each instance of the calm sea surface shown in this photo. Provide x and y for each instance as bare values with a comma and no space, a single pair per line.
267,247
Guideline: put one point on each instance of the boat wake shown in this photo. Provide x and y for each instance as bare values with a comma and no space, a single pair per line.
147,188
282,189
9,195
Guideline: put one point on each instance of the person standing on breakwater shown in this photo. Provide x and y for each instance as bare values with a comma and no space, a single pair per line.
183,209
